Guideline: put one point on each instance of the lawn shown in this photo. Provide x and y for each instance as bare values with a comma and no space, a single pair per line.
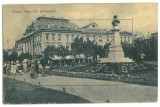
18,92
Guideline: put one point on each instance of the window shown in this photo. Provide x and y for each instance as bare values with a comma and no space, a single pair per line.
129,39
49,25
39,26
59,45
34,39
124,38
40,48
93,25
94,37
78,36
107,38
87,37
47,36
46,46
59,36
113,40
100,38
67,37
67,46
53,45
53,36
37,38
124,69
72,37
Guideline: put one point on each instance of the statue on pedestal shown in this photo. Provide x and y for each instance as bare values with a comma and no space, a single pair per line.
115,21
116,53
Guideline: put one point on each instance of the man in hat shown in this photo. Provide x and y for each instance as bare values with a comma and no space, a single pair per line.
36,67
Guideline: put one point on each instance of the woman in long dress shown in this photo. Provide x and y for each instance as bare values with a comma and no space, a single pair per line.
33,73
12,67
25,65
43,63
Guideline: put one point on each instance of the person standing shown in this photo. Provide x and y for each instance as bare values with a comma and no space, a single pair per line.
43,63
13,68
36,67
33,73
8,68
17,67
51,66
4,67
25,65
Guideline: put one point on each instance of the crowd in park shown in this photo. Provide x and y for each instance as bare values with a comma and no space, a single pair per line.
31,66
137,73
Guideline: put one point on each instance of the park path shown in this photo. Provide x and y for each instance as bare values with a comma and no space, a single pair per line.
97,91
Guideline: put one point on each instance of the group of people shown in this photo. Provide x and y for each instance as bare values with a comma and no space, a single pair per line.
12,68
32,66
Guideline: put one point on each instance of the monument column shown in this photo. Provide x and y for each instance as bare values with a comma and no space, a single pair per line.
115,50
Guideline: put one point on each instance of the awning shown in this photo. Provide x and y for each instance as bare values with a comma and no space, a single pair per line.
55,57
69,57
81,56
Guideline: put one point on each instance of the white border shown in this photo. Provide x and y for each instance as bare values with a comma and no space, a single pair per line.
73,1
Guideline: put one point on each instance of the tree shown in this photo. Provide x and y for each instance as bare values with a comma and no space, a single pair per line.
153,48
148,47
89,49
106,49
23,56
63,51
5,56
127,49
77,47
14,56
100,51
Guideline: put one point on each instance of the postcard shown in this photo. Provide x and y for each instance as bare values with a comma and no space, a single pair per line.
80,53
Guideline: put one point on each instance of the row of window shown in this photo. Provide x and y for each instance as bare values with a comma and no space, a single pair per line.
53,37
87,37
59,45
59,37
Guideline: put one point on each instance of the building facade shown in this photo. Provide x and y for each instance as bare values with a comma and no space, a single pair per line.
46,31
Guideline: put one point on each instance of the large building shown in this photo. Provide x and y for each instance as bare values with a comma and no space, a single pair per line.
46,31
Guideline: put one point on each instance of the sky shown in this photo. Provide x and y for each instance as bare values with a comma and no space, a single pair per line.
17,17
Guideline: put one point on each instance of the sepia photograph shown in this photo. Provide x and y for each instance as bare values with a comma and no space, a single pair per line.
80,53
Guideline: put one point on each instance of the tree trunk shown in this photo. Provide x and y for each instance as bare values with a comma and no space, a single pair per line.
79,59
83,60
60,63
74,60
88,60
92,59
64,62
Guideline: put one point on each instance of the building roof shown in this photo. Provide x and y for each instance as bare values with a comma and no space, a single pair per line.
50,18
50,24
154,34
125,33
